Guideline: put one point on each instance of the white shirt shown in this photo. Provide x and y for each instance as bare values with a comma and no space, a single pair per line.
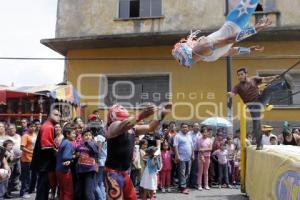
17,141
227,30
3,138
266,139
222,156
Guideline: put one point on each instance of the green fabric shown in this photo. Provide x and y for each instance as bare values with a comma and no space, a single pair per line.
286,128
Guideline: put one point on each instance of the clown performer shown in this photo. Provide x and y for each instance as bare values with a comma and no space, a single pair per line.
121,131
220,43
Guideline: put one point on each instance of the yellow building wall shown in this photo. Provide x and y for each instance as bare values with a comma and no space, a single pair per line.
204,86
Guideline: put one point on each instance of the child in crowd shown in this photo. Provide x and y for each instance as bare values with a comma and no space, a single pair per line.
11,158
135,174
273,140
27,144
9,154
237,169
58,135
231,148
149,178
222,155
143,147
165,173
102,147
4,172
87,153
64,160
204,145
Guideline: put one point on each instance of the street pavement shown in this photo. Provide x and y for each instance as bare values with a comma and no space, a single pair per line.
212,194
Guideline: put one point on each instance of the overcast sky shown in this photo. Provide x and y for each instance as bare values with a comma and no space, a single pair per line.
23,24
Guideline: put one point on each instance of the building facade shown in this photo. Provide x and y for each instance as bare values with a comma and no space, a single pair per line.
120,51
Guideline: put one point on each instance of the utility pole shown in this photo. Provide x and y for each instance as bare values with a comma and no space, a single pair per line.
229,80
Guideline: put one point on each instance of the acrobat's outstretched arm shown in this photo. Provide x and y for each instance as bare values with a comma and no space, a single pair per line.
234,51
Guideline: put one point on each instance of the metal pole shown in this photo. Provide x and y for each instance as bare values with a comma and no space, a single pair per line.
229,87
229,82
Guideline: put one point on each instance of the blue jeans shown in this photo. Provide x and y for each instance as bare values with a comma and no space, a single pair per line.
33,181
174,171
100,190
223,173
184,170
15,176
194,171
87,185
25,178
256,106
3,189
241,18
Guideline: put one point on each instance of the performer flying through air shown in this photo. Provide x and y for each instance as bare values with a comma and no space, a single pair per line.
121,132
210,48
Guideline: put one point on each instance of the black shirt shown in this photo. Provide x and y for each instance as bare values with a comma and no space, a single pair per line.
120,151
152,138
292,142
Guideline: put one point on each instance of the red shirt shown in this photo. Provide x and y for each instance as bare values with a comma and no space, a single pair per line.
47,135
172,133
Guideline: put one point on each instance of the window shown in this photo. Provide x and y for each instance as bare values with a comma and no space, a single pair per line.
259,8
262,6
139,8
133,91
285,97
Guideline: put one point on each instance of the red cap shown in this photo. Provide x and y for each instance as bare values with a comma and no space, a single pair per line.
92,117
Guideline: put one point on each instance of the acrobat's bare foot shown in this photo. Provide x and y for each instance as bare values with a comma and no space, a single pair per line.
262,24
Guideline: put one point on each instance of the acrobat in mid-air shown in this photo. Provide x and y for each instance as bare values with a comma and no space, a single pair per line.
220,43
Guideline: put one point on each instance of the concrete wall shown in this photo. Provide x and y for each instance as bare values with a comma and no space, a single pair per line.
98,17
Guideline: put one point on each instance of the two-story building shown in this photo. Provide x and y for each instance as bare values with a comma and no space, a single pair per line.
120,51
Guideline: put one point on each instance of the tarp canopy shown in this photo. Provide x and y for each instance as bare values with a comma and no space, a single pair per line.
5,94
65,92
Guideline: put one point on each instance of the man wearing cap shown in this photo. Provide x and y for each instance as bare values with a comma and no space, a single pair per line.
121,131
267,134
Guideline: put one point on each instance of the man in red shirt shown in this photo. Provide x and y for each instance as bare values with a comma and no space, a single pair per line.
44,156
248,90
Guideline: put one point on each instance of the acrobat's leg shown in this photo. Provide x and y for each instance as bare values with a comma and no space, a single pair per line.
241,14
255,111
265,97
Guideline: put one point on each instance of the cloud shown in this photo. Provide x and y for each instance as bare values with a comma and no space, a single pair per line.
23,25
29,73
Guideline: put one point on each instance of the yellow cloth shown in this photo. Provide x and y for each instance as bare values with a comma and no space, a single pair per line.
266,128
273,173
